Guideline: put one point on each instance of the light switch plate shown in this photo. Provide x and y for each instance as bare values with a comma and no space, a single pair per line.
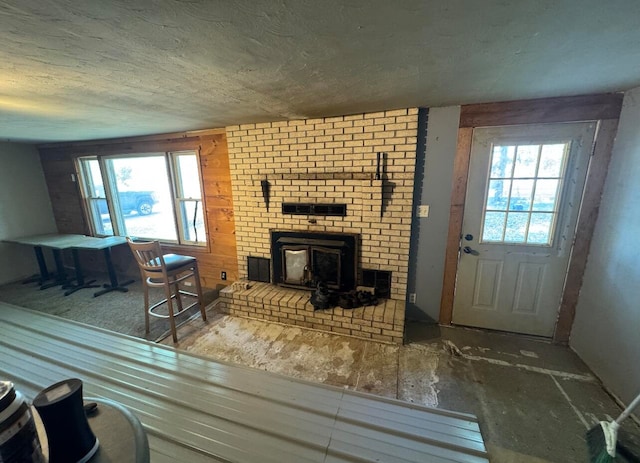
423,210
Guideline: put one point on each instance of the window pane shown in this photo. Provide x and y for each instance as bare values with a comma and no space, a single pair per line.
100,216
493,226
189,197
546,195
540,228
502,161
521,193
516,229
193,221
524,179
498,196
551,160
144,196
95,198
189,185
526,161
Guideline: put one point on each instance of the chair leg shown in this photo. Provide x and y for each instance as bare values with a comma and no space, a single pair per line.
196,275
146,305
172,321
178,297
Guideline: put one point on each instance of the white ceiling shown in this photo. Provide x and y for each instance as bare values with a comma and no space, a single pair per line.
86,69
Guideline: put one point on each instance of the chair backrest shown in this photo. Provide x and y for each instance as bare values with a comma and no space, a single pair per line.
148,255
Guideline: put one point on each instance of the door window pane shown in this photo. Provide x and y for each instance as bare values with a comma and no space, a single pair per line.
540,228
493,227
523,193
502,161
552,160
498,196
546,195
526,161
516,229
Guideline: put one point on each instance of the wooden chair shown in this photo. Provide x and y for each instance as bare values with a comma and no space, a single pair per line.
166,271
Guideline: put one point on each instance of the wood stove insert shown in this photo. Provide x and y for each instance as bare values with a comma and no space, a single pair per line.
303,259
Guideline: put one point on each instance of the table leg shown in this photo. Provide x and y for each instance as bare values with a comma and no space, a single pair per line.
80,283
42,266
113,278
61,274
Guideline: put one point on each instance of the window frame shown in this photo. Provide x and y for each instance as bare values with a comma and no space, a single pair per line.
556,213
178,189
112,200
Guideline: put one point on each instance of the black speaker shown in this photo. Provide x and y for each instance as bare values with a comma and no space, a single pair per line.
61,409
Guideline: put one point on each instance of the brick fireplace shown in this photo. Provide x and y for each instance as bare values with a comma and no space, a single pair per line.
364,163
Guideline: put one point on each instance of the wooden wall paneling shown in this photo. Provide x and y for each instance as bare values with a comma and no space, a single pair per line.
596,177
545,110
64,193
221,220
458,193
216,176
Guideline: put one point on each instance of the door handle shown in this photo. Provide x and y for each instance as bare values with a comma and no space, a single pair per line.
468,250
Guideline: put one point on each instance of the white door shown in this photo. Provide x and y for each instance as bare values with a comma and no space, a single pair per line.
523,196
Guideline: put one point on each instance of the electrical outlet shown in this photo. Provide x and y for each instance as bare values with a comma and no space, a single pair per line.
412,298
423,210
223,275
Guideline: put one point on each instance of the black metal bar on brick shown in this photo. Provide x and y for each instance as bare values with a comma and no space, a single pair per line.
339,210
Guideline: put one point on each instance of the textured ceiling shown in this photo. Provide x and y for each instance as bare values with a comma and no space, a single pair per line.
78,69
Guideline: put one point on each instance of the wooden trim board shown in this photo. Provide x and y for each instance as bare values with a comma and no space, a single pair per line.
596,177
458,194
543,111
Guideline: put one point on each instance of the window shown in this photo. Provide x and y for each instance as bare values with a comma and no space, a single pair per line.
151,195
523,193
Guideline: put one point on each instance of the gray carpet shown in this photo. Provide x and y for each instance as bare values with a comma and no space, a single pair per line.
115,311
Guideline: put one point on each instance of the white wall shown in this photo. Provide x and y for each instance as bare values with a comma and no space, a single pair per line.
25,208
434,177
607,325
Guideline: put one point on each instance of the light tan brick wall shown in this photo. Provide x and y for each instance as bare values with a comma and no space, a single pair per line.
329,160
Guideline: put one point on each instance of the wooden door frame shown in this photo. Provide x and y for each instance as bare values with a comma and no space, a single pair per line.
603,109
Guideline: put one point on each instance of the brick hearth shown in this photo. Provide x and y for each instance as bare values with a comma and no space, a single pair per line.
382,322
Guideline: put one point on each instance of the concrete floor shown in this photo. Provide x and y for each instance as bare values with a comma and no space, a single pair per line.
535,400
